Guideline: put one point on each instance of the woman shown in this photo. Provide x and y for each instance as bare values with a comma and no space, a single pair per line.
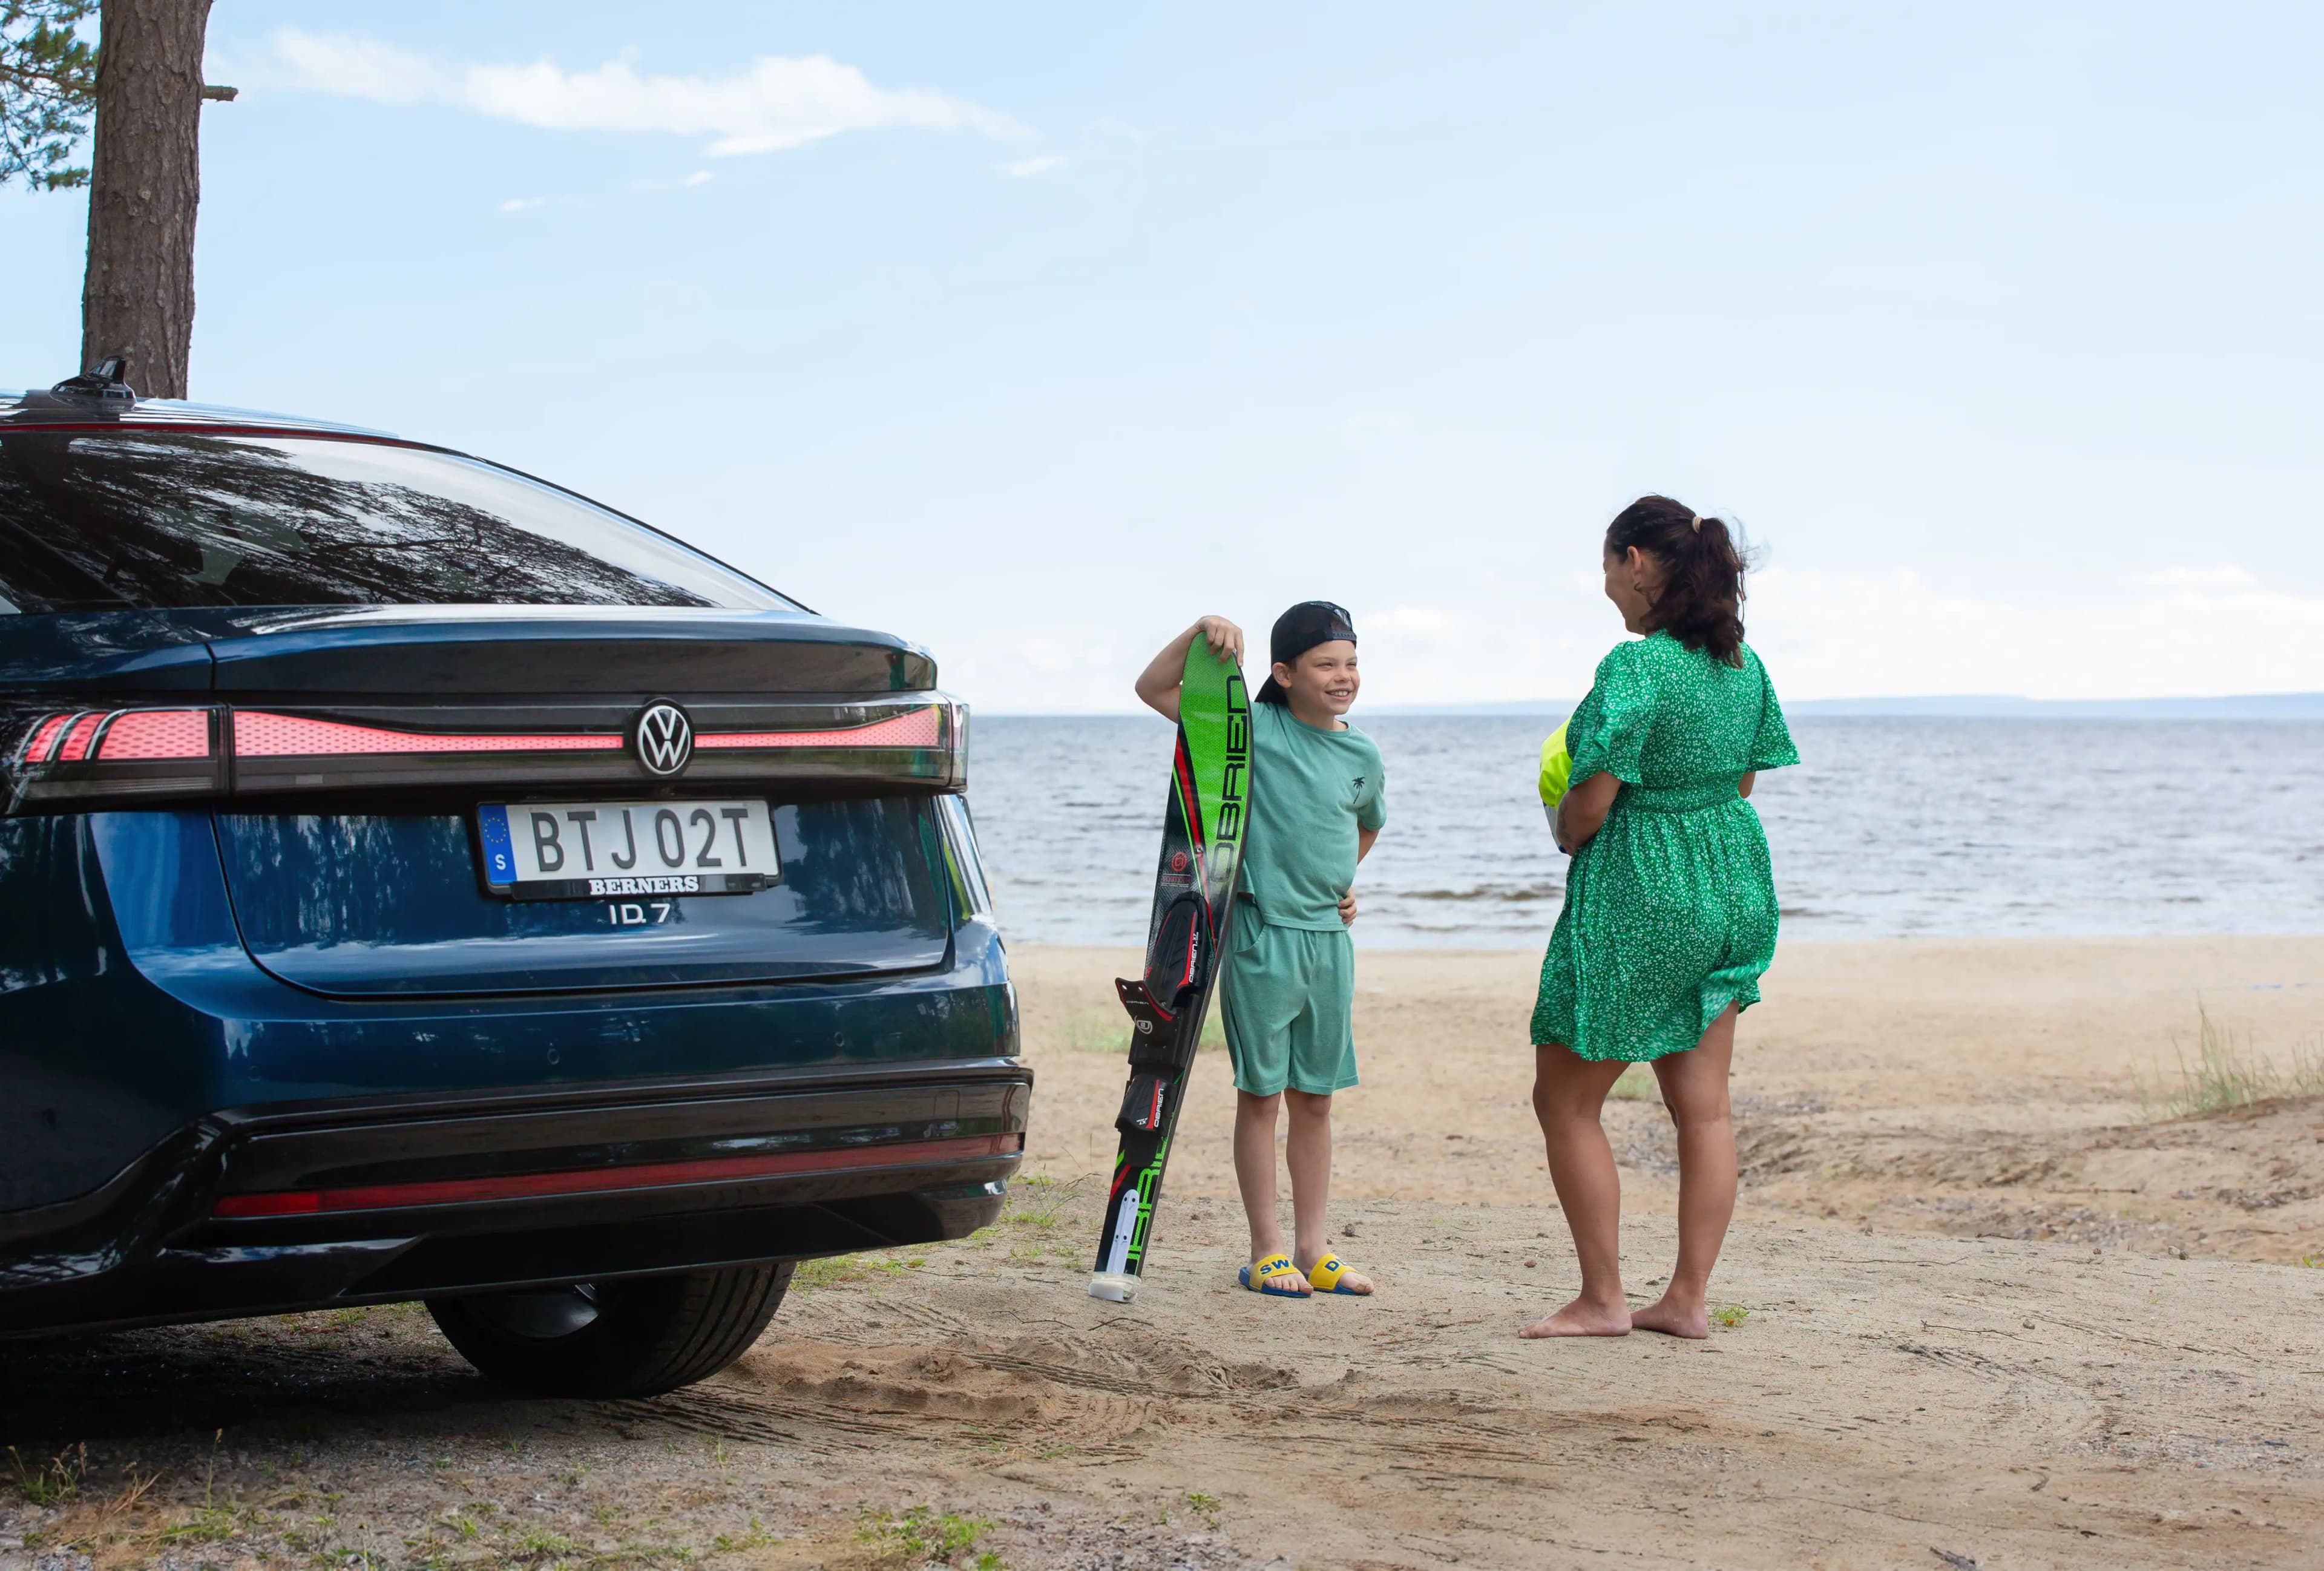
1670,909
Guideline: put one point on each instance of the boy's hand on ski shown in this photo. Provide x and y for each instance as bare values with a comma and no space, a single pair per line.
1347,909
1157,684
1224,637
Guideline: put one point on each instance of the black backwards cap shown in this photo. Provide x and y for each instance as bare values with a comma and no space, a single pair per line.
1299,630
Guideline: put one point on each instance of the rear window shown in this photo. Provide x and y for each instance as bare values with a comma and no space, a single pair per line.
159,519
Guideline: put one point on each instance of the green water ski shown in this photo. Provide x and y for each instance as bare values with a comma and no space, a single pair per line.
1194,896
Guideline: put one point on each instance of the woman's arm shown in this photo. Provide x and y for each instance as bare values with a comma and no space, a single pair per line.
1583,811
1157,684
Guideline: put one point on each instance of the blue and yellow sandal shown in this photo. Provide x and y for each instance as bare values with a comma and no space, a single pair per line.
1325,1278
1272,1277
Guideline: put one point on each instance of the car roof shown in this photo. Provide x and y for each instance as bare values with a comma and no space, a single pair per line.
35,407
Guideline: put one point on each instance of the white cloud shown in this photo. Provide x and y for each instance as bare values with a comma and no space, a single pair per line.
1027,168
2226,577
1839,634
1825,633
523,204
700,177
772,103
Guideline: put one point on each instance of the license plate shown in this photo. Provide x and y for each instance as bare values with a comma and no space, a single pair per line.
610,850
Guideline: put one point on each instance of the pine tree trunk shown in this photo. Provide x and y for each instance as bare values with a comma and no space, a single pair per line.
144,186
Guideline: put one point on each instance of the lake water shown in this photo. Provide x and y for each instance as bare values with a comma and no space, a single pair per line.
1890,829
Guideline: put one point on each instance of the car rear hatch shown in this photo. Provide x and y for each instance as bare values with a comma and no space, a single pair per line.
414,719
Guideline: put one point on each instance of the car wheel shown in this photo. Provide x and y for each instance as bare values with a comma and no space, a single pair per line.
635,1337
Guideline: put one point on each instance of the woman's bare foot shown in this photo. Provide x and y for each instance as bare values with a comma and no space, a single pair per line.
1584,1318
1672,1319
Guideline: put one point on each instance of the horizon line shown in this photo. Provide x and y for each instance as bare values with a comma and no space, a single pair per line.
2301,704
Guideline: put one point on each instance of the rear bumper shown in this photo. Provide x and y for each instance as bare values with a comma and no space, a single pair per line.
288,1207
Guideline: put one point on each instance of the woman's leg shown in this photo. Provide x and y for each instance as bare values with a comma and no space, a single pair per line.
1568,1093
1254,1160
1694,1089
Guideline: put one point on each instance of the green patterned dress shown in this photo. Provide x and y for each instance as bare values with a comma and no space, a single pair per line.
1670,908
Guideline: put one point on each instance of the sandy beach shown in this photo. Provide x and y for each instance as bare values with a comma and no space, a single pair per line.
1973,1088
1990,1312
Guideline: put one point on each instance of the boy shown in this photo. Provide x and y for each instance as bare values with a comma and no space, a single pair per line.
1289,985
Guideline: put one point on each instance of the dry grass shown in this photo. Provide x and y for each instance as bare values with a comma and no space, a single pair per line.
1107,1031
831,1270
1032,1229
52,1482
2229,1073
922,1536
1638,1084
112,1529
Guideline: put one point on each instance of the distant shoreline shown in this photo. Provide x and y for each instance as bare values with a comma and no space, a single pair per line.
1968,707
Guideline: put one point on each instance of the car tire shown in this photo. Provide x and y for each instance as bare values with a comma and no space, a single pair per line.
633,1337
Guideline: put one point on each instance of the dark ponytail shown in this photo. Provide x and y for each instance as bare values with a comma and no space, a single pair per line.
1701,602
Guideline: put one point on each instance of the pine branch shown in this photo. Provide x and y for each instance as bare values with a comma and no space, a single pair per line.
48,91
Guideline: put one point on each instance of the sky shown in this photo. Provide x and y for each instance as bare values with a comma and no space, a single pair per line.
1033,332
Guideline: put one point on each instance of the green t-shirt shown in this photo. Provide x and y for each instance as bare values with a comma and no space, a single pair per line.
1310,789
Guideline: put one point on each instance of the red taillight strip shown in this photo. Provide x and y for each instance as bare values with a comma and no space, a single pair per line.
138,734
918,729
118,736
259,735
588,1180
132,735
43,738
76,743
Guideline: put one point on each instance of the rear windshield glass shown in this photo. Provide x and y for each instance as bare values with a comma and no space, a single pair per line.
158,520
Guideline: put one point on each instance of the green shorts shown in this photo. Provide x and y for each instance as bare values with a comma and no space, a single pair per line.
1288,996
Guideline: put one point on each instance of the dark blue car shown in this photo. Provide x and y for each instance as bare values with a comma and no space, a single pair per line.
419,881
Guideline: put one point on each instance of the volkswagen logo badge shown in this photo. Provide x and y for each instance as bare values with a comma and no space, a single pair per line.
663,738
